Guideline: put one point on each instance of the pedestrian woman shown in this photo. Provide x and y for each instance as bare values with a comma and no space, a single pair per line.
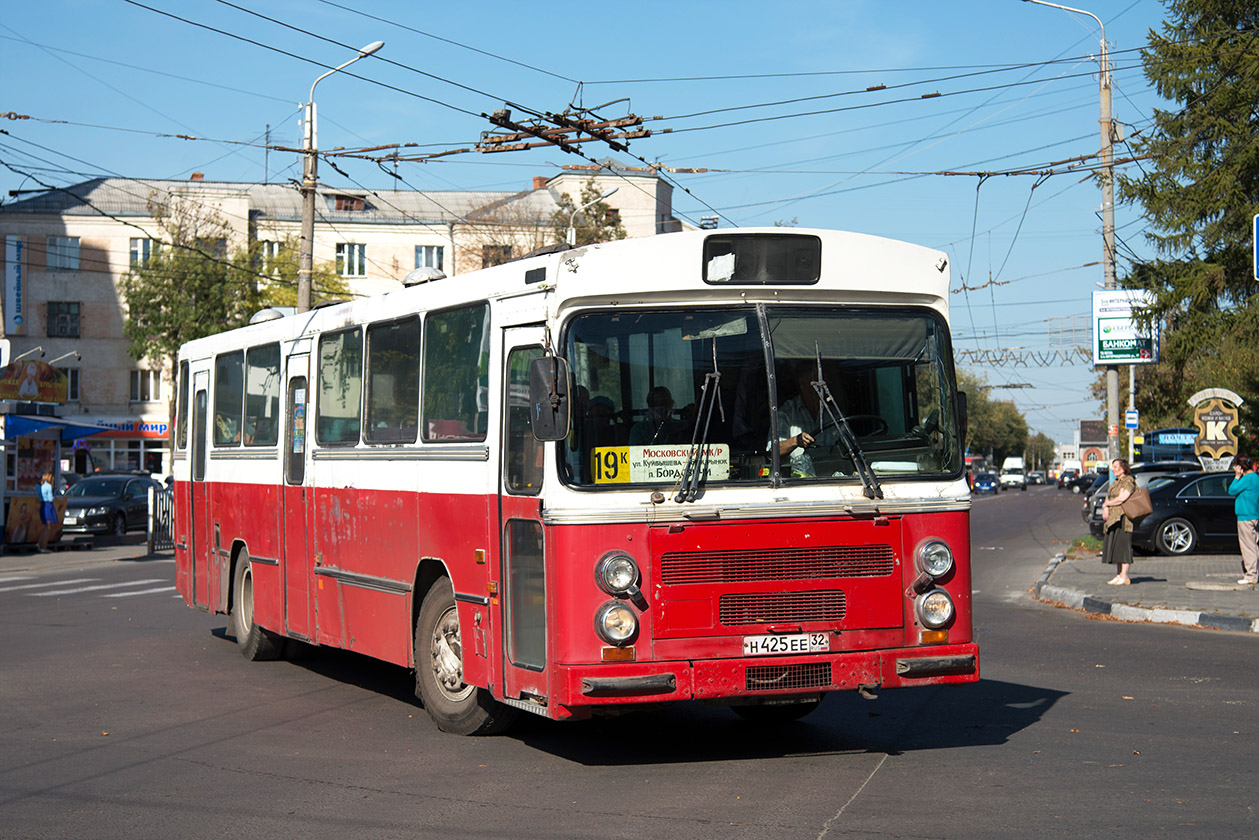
1245,492
47,513
1117,546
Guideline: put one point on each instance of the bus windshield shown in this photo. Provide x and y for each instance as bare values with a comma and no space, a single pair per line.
648,385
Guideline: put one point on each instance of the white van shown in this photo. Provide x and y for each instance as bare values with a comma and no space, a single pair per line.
1013,474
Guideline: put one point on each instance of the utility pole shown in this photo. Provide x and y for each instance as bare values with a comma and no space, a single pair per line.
310,155
1107,124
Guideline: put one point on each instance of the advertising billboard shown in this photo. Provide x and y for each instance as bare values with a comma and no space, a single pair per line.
1117,338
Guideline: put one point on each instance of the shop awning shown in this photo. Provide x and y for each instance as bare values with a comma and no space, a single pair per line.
18,425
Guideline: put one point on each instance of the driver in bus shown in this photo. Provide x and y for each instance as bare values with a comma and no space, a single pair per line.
660,426
798,423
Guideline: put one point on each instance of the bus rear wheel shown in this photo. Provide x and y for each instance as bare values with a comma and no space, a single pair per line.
455,706
255,643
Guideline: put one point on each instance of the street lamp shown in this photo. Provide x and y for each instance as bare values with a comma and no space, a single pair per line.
1107,156
310,150
572,217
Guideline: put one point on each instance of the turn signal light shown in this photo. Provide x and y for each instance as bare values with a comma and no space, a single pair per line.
933,637
618,654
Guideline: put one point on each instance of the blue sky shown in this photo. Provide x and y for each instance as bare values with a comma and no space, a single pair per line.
103,80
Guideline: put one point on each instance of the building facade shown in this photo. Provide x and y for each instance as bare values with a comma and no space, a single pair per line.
66,251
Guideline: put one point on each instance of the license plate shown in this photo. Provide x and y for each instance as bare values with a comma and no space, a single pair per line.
72,520
797,643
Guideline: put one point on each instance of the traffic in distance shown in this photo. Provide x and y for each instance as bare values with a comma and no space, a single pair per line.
722,466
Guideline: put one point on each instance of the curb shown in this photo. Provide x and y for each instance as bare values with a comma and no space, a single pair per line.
1076,600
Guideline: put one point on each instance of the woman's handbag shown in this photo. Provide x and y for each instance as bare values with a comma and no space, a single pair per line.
1137,504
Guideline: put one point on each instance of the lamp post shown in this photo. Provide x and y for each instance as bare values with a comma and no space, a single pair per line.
572,217
310,167
1107,156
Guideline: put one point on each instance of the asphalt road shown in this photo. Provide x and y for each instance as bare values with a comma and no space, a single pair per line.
124,714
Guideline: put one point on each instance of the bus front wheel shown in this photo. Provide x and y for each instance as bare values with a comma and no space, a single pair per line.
455,706
255,643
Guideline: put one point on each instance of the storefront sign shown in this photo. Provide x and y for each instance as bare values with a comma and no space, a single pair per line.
132,428
14,286
1118,340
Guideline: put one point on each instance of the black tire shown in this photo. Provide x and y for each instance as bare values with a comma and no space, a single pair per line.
1176,536
454,706
255,643
784,713
119,526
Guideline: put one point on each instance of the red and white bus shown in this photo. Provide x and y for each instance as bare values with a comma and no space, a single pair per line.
715,465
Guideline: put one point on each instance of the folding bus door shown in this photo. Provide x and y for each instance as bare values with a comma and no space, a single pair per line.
199,540
299,610
522,566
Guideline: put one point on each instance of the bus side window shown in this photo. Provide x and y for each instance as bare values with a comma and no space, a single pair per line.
229,398
456,373
340,387
393,381
262,396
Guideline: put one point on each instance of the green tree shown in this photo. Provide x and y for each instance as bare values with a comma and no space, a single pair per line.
1040,451
1199,189
278,284
994,428
597,223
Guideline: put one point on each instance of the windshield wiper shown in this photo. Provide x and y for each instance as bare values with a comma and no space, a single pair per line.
826,402
696,459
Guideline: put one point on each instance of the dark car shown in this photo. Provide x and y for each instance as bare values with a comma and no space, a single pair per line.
1066,477
986,483
107,504
1191,510
1144,474
1036,477
1081,482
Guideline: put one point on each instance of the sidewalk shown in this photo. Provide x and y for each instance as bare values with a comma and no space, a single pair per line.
62,556
1199,590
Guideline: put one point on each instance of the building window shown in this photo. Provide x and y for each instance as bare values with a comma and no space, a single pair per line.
430,256
351,259
495,255
268,255
63,253
352,203
146,385
63,319
72,383
142,249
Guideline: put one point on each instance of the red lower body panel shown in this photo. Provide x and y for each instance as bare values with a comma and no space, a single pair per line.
578,689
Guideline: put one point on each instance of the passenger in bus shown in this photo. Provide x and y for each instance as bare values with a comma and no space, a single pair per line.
800,424
660,426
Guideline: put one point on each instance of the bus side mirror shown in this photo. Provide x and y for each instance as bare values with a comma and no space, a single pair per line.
961,417
548,398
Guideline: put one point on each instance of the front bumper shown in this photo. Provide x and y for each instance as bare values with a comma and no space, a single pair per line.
577,690
74,524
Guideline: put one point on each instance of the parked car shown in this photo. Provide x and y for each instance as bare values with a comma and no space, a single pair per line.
985,483
1144,474
1036,477
1066,477
1191,510
107,504
1102,479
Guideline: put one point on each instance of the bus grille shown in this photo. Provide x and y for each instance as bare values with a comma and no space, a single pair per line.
681,567
780,677
760,608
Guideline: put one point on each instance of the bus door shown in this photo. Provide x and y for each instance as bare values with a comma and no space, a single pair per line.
522,567
199,534
299,618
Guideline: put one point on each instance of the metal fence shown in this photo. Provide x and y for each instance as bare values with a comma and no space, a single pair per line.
161,520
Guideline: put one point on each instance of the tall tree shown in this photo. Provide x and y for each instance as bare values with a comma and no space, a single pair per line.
1200,191
598,222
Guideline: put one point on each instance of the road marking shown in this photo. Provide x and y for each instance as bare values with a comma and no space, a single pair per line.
141,592
46,583
93,588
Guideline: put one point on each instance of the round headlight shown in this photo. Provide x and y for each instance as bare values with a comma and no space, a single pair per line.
616,573
935,609
616,623
935,558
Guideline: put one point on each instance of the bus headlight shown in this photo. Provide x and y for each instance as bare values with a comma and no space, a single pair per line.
935,609
617,573
935,558
616,623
